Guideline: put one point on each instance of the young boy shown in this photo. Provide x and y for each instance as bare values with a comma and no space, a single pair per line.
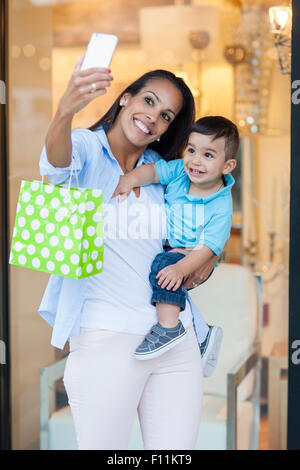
199,216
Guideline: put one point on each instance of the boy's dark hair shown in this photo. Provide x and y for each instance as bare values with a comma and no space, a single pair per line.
174,140
218,126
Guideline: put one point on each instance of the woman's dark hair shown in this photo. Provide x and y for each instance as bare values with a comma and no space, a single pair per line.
174,140
219,126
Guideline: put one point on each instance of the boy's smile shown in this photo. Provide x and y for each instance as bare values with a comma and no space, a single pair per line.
205,162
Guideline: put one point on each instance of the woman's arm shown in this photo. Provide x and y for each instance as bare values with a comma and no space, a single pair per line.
58,140
195,259
201,274
77,96
172,276
140,176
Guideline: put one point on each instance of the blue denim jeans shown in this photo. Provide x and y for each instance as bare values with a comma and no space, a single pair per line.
165,296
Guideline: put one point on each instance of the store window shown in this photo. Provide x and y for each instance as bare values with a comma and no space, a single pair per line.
46,38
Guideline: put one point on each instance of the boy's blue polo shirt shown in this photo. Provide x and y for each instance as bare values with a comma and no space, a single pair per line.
194,220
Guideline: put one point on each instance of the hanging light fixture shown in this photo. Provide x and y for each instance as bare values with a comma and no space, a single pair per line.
179,34
281,24
199,41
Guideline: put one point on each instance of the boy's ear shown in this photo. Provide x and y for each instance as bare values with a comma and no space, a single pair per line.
229,166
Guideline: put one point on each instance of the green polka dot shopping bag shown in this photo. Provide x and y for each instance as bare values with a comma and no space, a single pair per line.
58,230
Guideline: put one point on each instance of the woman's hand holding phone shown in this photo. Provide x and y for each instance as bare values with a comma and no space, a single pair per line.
83,87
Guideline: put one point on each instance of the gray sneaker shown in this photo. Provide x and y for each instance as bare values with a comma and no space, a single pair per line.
210,349
160,340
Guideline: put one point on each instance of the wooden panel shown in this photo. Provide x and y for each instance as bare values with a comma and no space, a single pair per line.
277,360
75,21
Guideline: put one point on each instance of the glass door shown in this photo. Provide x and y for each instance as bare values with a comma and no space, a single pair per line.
4,327
30,110
44,39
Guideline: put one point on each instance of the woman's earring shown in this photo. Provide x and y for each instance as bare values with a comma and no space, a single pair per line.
158,139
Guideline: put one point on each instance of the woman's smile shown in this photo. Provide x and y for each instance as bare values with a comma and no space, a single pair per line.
142,126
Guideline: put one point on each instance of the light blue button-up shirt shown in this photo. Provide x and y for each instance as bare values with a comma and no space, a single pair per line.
192,219
96,168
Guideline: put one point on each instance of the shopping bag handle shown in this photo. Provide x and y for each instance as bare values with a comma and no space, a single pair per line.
71,175
73,164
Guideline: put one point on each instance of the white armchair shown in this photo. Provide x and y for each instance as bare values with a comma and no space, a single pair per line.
232,299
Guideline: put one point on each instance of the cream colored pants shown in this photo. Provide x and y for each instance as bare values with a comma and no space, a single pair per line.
106,385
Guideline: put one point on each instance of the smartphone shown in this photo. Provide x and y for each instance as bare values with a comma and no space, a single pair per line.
100,50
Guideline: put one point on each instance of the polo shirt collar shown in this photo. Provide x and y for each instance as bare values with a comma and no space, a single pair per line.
226,190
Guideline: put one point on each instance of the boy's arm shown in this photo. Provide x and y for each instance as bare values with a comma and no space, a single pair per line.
140,176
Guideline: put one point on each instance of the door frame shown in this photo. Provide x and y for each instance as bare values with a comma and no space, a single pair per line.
293,435
5,399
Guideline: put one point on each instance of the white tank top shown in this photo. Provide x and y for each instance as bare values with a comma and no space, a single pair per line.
118,299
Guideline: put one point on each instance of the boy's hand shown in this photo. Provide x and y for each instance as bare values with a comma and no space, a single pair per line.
124,188
170,276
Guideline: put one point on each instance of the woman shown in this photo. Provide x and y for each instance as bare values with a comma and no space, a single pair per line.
106,316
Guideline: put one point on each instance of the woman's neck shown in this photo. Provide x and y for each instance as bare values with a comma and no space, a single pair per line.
126,153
